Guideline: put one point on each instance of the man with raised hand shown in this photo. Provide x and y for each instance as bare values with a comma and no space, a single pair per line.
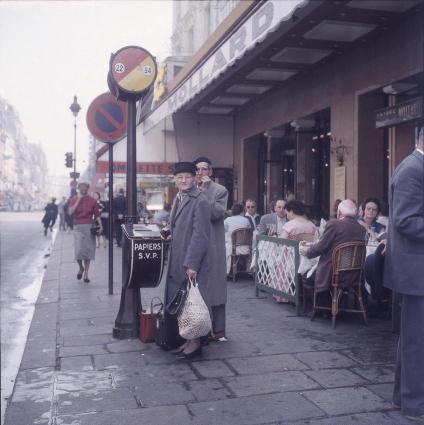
217,196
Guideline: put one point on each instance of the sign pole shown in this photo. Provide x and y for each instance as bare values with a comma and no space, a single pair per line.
106,120
126,322
132,72
131,163
110,223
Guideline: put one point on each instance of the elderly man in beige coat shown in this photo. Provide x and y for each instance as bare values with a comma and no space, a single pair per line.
217,196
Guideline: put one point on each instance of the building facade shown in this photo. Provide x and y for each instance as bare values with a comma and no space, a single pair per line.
23,165
318,98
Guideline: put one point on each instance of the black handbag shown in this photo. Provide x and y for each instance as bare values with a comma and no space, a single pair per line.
167,334
95,229
176,304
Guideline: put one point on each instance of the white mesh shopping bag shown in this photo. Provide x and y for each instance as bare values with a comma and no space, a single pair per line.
194,320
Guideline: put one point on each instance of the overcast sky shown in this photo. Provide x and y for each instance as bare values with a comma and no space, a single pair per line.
51,51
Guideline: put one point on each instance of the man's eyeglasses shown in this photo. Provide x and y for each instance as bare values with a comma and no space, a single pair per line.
251,206
187,177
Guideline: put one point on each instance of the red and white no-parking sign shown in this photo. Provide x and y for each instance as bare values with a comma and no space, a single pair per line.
107,118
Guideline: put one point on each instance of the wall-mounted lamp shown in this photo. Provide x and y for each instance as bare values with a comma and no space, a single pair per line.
339,150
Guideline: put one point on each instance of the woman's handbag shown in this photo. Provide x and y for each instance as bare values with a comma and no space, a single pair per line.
148,322
167,336
176,304
95,229
194,320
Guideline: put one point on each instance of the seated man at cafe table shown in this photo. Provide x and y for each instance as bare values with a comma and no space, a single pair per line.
251,213
337,231
272,224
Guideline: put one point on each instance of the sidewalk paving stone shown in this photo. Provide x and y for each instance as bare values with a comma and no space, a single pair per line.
77,402
209,389
385,391
163,415
330,378
80,340
337,401
164,374
82,350
386,418
118,360
76,363
376,374
265,364
258,409
275,368
212,369
325,360
270,383
161,395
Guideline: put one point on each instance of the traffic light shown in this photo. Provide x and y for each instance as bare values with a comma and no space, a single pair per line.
68,159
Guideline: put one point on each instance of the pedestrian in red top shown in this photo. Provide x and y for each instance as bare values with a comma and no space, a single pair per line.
85,210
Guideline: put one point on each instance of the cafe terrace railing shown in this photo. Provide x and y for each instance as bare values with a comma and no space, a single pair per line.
277,262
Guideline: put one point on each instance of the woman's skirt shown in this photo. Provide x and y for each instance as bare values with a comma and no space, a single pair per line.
84,242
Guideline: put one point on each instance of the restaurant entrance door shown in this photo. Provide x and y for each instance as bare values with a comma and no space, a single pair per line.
295,161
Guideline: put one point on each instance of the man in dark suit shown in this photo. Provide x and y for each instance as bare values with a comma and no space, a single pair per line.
344,229
272,224
403,273
119,211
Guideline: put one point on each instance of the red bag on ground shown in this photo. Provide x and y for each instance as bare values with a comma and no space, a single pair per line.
148,322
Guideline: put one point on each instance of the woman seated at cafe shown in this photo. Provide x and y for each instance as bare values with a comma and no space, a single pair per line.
298,227
368,219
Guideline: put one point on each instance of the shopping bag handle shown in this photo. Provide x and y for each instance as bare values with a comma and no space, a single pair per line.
192,282
159,304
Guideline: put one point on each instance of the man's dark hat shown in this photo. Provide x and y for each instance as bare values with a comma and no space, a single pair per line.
184,167
202,159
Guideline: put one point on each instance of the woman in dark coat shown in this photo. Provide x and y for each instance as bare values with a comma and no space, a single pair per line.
190,232
50,216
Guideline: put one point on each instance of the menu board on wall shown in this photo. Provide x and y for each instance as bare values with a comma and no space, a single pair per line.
340,183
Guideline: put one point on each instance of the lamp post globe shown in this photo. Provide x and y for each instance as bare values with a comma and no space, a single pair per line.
75,108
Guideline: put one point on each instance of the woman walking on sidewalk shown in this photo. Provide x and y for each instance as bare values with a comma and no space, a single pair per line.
84,209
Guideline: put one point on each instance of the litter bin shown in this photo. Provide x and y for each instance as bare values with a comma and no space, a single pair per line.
143,256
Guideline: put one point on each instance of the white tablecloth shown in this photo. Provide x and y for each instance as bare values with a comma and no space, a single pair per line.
307,265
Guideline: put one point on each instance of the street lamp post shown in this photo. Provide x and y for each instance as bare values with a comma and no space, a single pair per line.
75,108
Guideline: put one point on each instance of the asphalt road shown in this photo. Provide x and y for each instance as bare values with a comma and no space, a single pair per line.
24,251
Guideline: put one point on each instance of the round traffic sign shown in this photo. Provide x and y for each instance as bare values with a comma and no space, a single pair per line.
107,118
133,69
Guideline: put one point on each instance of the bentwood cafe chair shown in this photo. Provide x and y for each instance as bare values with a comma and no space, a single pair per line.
347,265
241,246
